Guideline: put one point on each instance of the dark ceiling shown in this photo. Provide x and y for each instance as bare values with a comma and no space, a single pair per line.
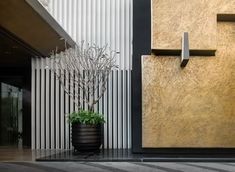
12,52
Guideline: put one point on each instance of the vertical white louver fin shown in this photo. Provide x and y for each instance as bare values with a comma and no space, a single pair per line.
98,21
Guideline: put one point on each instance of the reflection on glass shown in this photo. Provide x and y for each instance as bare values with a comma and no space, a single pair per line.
10,115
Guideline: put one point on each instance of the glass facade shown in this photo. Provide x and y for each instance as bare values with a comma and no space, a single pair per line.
10,115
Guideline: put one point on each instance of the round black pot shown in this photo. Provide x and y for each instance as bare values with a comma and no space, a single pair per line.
86,137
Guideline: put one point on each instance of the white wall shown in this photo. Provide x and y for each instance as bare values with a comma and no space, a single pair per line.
94,21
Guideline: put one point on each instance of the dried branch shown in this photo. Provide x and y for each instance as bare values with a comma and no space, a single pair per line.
86,68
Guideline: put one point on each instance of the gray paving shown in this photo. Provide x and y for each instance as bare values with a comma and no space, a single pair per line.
115,167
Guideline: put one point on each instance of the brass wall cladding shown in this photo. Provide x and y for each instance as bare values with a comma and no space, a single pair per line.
170,18
194,106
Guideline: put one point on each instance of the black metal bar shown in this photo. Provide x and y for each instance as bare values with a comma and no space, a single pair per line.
226,17
177,52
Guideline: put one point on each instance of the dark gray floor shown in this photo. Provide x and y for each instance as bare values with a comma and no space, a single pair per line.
115,167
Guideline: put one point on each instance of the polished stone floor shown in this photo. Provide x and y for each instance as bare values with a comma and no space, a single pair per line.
19,155
115,167
25,160
14,154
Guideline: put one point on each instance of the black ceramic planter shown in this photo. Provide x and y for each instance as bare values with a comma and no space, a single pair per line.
86,137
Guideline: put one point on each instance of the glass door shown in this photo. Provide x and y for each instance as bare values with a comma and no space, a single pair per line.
10,115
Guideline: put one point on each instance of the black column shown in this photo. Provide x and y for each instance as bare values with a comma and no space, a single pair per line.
141,46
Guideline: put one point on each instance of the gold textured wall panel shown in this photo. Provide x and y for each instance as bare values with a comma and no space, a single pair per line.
194,106
170,18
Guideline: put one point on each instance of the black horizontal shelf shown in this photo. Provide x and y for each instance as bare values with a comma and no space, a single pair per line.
174,52
226,17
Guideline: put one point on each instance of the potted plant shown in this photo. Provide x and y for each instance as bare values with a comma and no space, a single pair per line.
86,130
90,67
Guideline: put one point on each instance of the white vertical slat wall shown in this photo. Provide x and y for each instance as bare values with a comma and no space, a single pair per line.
93,21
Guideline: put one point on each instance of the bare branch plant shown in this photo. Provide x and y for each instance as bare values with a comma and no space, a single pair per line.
89,66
